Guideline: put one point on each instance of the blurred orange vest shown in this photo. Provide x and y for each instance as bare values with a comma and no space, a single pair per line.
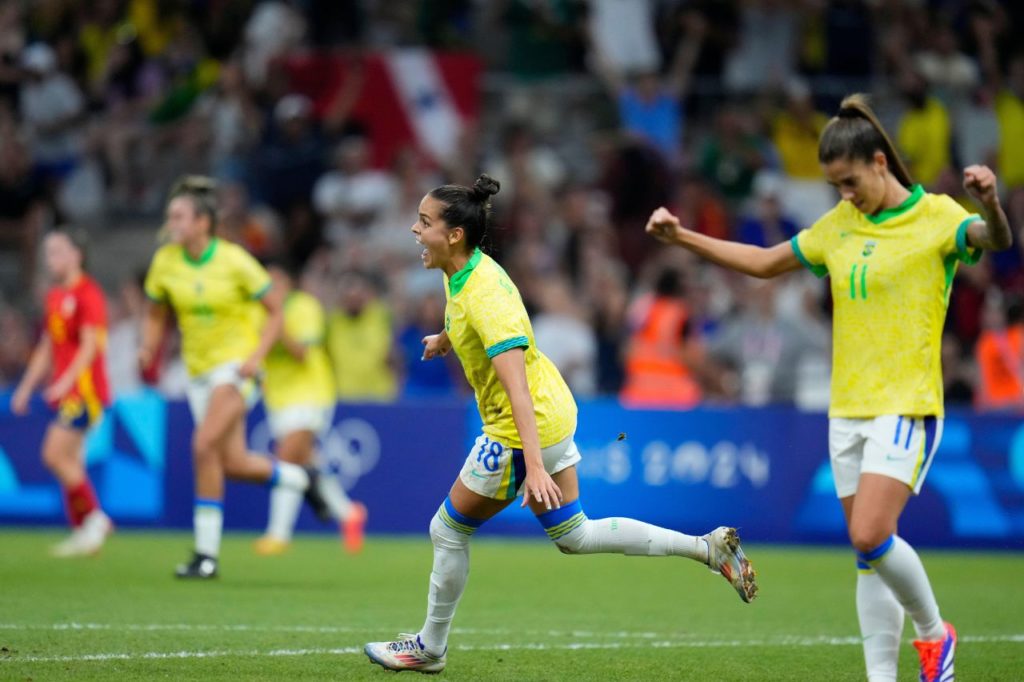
655,373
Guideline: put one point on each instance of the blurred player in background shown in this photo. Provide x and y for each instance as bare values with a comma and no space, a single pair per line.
891,250
527,445
70,352
211,285
300,396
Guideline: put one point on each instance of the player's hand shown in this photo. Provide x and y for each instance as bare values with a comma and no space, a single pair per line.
539,487
980,183
19,402
664,226
249,368
436,345
58,389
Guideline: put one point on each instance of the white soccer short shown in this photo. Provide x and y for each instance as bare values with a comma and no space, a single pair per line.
315,418
200,388
891,445
497,471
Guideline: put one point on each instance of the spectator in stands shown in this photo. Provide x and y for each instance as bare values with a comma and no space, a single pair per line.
257,229
22,207
924,133
288,163
999,354
360,341
701,206
126,316
765,223
650,106
764,53
565,336
15,344
733,154
795,131
765,349
352,197
52,109
233,122
426,379
662,353
1010,111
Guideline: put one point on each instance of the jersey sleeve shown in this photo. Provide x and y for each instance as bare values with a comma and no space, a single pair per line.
304,321
809,245
155,285
499,318
93,307
952,220
252,277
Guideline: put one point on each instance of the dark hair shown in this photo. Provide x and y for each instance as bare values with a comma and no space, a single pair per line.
855,133
202,190
468,207
78,238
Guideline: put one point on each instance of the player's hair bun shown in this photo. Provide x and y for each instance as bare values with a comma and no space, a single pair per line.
485,187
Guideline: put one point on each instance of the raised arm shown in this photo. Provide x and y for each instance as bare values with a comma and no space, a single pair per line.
685,58
153,324
751,260
994,234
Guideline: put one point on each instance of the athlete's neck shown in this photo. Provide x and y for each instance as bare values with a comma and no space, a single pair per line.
197,247
71,279
456,263
895,194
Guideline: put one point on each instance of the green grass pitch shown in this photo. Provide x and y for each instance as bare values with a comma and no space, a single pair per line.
529,613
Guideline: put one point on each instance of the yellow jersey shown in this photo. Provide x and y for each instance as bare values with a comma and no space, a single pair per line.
484,317
891,276
212,297
289,381
360,349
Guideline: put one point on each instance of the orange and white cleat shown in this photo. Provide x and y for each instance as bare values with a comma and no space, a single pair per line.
726,558
405,653
937,657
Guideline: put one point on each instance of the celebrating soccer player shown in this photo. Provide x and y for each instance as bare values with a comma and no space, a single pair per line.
891,250
526,447
72,344
211,285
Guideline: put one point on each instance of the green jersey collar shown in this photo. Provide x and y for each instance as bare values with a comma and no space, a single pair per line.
459,279
916,192
204,257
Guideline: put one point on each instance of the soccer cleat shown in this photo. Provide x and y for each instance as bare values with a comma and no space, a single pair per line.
352,528
201,567
270,546
937,657
315,498
727,558
87,539
405,653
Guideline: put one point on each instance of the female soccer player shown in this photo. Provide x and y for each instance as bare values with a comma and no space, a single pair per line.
527,445
72,345
211,285
299,393
892,250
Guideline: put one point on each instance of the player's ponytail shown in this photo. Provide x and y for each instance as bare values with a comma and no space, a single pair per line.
468,207
855,133
202,190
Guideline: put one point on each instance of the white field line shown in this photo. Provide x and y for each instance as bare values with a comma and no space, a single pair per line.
789,641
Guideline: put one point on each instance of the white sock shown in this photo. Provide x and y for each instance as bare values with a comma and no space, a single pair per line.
903,572
289,475
334,496
881,624
447,582
284,509
574,533
207,521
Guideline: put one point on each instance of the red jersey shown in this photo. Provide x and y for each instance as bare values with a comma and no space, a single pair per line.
68,310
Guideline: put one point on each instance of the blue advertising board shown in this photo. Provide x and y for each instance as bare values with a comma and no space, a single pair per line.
763,470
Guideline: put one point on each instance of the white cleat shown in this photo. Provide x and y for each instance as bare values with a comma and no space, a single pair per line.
405,653
726,558
87,539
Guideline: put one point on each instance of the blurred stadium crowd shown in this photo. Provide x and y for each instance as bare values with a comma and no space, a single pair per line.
591,114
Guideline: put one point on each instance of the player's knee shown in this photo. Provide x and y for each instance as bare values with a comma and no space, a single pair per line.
444,536
866,538
204,449
574,542
53,458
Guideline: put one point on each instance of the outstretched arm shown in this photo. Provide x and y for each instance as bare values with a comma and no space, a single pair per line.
751,260
994,234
